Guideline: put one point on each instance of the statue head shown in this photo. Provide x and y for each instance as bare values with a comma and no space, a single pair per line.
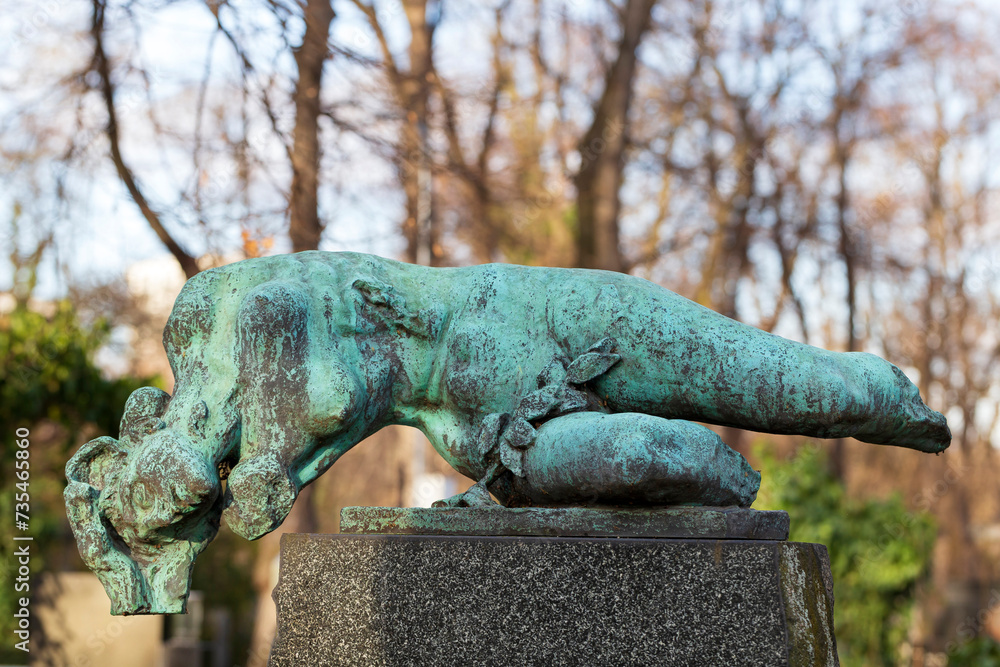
144,506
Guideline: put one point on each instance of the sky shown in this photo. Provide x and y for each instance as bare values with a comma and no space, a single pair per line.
47,42
105,232
43,42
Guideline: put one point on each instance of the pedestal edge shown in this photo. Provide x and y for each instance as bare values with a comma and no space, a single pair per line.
734,523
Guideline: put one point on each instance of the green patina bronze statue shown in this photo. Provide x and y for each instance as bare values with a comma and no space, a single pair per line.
548,386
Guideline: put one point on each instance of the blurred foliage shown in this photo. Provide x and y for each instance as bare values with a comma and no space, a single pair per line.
979,652
879,551
47,376
47,372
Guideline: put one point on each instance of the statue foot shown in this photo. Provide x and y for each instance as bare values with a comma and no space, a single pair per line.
927,431
898,415
915,427
259,496
477,496
935,436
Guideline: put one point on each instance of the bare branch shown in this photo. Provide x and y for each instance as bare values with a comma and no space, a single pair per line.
103,69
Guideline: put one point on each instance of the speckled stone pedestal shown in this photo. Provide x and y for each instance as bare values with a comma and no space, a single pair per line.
472,600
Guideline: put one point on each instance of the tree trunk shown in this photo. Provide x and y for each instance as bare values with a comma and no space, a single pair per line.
602,151
304,226
848,254
413,92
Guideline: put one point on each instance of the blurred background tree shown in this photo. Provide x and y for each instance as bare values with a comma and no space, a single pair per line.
823,170
49,384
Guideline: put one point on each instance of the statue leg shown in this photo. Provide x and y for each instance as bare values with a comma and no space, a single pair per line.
590,458
680,360
272,350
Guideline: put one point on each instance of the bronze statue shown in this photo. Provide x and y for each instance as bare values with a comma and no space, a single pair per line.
547,386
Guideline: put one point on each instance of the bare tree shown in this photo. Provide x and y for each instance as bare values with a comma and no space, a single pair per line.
602,149
513,203
304,227
411,86
102,68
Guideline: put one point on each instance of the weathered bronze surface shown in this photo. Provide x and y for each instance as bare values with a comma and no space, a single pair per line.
722,523
550,387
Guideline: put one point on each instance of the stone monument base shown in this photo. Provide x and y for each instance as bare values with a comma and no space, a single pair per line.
453,599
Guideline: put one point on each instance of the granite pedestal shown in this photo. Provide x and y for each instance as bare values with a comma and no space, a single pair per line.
449,598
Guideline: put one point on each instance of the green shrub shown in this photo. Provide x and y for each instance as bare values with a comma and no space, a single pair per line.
879,550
